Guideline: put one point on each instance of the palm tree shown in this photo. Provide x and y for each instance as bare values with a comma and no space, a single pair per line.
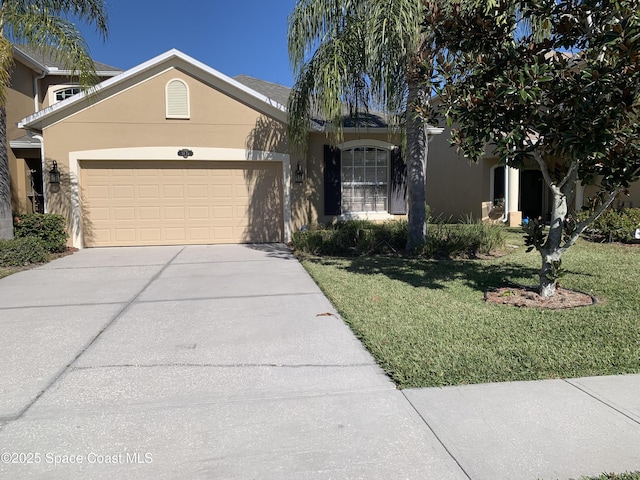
49,26
366,54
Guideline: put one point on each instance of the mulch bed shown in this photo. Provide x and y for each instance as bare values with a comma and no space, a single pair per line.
527,297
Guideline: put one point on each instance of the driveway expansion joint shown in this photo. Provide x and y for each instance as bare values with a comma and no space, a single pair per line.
62,305
230,297
100,267
224,365
437,437
113,320
602,400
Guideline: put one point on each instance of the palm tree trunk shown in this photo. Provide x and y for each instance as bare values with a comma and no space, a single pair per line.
417,148
6,218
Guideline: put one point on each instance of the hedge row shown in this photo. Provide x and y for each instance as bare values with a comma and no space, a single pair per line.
35,237
616,225
361,237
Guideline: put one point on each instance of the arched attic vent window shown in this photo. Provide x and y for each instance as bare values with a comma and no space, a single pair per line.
177,93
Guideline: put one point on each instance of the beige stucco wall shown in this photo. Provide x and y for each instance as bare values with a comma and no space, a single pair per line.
631,200
19,104
455,186
136,117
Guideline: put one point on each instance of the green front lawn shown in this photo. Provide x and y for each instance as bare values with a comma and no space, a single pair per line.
427,324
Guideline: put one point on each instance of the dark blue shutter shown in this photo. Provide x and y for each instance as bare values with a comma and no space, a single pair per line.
332,190
398,184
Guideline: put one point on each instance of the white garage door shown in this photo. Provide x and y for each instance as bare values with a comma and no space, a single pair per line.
173,203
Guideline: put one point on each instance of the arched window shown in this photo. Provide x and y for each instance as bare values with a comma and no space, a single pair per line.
64,93
365,179
177,93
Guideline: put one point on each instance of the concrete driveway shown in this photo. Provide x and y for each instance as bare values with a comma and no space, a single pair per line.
195,362
228,362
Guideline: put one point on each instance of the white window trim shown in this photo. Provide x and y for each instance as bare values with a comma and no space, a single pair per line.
166,100
366,143
52,89
369,215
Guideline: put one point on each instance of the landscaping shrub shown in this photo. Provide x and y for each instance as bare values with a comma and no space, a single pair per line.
466,239
18,252
352,238
361,237
616,225
49,228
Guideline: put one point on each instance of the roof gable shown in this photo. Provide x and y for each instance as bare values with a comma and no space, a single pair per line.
171,59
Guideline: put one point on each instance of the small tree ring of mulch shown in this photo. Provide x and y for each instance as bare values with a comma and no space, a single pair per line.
528,297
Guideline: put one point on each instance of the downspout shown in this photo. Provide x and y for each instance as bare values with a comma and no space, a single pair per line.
36,107
36,91
44,172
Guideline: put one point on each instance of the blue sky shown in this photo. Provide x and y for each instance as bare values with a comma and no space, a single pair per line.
232,36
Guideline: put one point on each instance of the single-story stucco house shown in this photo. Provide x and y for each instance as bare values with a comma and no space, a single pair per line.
174,152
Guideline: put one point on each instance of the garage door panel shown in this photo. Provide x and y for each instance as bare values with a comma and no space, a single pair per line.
123,192
100,214
149,191
98,191
199,233
101,235
198,213
148,213
125,234
174,213
173,191
181,202
150,234
198,192
124,214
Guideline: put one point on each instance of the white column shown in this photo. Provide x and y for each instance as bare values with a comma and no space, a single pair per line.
515,216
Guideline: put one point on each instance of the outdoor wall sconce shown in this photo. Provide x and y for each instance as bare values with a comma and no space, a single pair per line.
185,153
54,175
299,174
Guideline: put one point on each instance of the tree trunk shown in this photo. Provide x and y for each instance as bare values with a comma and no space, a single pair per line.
417,148
548,274
552,250
6,217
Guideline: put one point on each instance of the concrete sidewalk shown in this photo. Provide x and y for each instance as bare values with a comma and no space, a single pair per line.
228,362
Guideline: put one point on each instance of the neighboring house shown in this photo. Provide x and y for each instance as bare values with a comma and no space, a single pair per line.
457,187
174,152
37,81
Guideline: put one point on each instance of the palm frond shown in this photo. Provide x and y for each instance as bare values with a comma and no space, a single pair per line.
49,25
6,62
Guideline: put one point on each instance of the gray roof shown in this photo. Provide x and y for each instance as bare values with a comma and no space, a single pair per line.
280,94
274,91
46,59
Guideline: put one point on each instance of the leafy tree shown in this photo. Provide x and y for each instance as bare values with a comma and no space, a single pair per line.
49,26
365,54
567,101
